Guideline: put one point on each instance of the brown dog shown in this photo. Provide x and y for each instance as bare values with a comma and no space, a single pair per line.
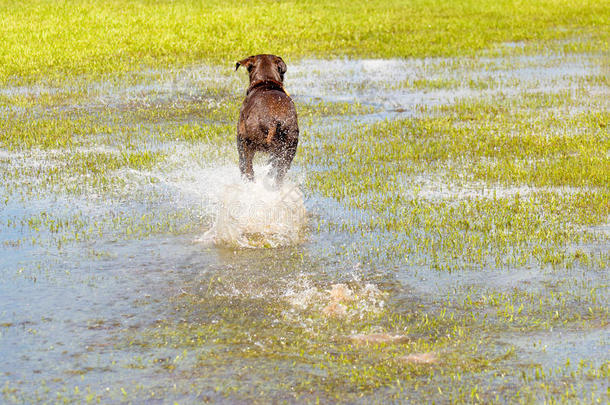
267,119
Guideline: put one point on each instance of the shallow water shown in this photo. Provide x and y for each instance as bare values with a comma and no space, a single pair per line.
180,282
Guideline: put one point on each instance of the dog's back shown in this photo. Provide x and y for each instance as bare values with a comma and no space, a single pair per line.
269,117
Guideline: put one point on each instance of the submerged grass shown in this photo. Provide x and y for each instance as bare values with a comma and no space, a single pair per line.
313,357
535,167
494,145
469,227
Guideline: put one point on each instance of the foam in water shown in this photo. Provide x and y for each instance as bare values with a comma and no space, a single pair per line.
257,214
356,300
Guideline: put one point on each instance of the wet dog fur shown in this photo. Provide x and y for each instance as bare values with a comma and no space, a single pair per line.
268,118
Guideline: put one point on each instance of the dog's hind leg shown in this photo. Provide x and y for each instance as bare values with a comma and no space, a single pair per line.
281,162
246,155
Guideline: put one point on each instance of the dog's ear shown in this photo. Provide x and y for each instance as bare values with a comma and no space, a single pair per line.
246,62
281,66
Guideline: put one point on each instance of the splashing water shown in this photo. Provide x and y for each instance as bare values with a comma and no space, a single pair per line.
353,300
257,214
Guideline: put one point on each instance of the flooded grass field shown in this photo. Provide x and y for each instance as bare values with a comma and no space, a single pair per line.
444,235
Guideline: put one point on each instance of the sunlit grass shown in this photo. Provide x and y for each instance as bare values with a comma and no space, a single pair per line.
48,40
439,209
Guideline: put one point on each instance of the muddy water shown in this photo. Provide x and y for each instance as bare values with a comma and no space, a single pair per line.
71,311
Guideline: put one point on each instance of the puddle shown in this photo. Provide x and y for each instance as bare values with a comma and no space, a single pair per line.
556,348
435,188
93,269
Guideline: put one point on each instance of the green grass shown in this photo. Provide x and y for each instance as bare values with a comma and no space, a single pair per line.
91,167
491,144
49,40
304,355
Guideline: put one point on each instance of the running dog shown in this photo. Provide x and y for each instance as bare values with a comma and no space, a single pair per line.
268,118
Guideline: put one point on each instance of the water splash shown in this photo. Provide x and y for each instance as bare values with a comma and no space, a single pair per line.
355,300
257,214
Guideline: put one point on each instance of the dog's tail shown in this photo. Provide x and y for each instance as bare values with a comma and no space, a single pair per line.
273,131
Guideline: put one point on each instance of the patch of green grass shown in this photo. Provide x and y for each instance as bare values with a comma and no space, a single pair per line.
99,162
225,113
48,40
496,144
438,83
321,109
299,353
53,131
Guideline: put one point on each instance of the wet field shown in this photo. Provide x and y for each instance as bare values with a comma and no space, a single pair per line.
444,234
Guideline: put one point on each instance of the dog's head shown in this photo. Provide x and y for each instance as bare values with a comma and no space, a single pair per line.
264,67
